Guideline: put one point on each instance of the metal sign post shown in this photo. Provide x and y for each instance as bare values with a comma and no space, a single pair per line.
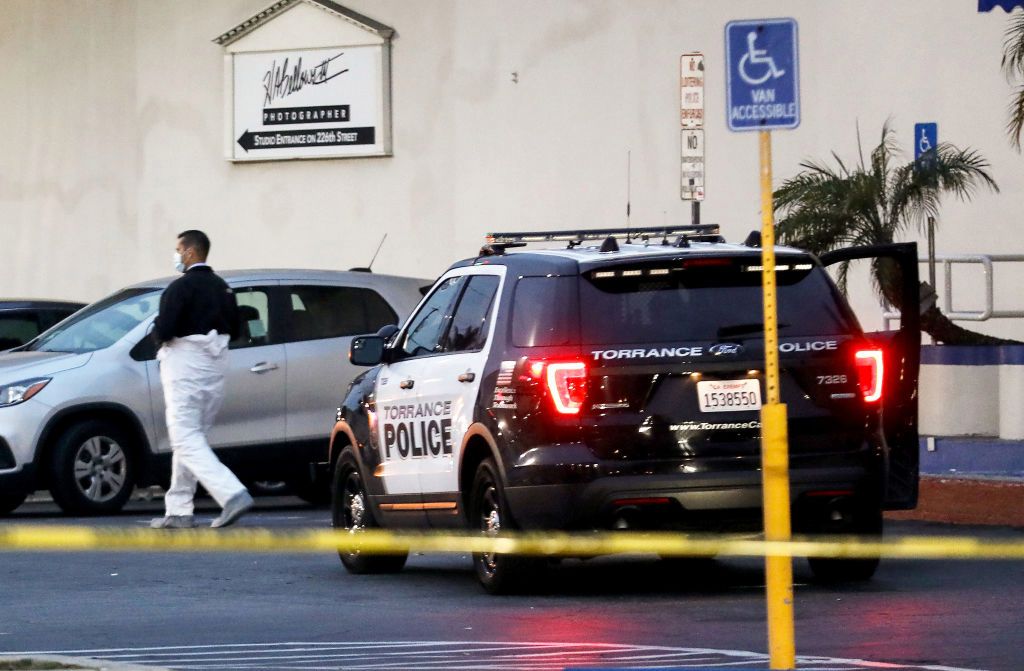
762,87
774,442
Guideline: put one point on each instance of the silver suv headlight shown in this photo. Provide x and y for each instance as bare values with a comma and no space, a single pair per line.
19,392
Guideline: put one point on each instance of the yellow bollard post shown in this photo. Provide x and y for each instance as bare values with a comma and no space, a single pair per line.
774,443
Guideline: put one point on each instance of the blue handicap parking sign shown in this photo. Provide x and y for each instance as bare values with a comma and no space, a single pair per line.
762,74
926,137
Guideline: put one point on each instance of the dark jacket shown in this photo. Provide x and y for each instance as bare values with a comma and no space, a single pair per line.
194,304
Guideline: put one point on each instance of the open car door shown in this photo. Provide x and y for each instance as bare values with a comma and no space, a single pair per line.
902,349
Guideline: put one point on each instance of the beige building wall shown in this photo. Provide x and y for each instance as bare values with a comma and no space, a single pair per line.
506,115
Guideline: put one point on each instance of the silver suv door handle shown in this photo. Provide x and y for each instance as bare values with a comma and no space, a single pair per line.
263,367
468,376
407,384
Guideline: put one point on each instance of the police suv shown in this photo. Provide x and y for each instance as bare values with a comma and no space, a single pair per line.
618,386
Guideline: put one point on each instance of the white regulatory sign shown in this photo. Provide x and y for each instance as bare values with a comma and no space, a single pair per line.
692,165
691,90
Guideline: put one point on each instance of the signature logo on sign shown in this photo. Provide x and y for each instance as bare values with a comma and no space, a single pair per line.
283,80
725,349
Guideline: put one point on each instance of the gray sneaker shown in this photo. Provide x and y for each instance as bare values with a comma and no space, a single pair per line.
173,522
234,508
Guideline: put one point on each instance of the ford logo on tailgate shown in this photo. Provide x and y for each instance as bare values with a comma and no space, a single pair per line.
725,349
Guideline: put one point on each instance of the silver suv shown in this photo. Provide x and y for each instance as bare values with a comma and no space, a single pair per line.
82,409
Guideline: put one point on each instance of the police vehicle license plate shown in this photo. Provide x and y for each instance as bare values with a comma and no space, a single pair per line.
728,395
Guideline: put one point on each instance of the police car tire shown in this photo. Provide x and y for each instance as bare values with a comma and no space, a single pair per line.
498,573
63,487
867,523
346,486
9,501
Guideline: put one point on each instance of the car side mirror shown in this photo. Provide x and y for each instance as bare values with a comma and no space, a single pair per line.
367,350
144,350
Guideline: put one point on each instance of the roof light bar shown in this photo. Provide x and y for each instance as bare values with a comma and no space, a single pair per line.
601,233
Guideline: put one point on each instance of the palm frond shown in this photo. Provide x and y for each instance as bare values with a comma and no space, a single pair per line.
843,276
1013,47
860,147
946,169
1015,126
824,207
1013,68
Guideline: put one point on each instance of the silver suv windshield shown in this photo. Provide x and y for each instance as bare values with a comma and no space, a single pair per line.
101,324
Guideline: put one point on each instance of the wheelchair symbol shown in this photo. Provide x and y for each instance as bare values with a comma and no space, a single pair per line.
755,57
923,144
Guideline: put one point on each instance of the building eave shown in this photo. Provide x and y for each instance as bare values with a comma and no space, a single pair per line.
276,9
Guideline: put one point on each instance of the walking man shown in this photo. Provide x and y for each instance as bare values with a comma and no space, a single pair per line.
198,317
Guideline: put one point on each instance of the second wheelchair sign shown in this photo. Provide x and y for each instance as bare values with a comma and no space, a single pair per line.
762,76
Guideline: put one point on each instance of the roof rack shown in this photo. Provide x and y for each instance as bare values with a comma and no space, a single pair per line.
695,232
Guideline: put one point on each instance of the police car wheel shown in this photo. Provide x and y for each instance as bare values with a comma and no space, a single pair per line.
498,573
9,501
862,519
92,469
350,510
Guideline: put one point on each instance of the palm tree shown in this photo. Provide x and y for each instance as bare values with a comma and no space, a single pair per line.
874,202
1013,66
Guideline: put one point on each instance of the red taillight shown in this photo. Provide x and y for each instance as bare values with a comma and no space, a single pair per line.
870,373
566,382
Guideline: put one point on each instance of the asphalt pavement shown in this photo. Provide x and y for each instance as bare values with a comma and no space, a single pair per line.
303,611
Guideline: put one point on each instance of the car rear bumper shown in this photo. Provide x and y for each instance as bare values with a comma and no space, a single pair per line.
634,496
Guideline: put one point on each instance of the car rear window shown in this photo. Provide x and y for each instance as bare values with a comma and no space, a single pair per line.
544,312
706,299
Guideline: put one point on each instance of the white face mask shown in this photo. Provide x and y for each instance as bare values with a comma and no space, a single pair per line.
179,264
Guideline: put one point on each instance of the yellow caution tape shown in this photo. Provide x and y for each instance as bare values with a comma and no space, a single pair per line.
38,538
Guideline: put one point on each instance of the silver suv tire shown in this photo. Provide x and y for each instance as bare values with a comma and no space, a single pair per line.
92,470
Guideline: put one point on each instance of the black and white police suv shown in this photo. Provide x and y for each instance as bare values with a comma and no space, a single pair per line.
618,386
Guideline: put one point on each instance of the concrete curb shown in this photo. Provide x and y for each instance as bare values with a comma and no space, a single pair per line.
84,663
968,500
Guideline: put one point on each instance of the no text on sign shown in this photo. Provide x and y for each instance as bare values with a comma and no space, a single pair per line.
762,74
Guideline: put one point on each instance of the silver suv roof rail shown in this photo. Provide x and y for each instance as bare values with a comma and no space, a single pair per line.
695,232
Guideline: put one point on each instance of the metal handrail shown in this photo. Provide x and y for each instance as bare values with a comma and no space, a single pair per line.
986,261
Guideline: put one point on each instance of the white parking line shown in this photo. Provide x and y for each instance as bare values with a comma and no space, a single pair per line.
458,655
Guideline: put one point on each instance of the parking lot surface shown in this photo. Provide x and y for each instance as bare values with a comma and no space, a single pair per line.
303,611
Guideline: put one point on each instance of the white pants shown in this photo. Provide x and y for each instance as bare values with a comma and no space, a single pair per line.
192,373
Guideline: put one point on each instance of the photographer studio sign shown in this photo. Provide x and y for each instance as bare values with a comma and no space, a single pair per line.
313,103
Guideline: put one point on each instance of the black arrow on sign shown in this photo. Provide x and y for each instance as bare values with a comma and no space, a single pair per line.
245,140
